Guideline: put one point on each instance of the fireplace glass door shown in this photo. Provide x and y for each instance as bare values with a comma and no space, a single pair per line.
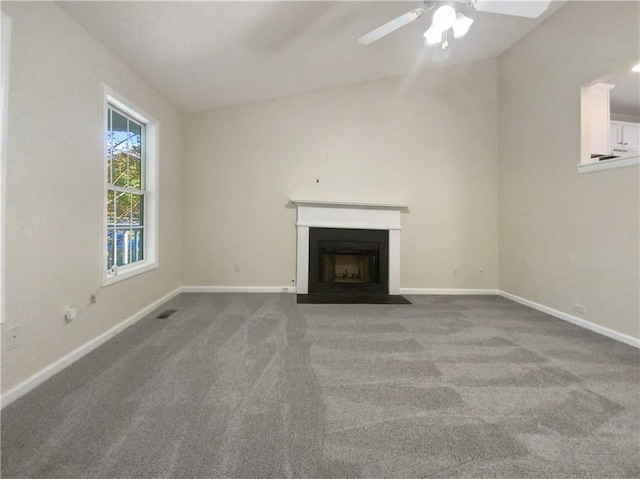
355,262
347,260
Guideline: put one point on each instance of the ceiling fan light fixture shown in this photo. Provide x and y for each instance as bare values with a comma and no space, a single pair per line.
461,25
444,17
433,35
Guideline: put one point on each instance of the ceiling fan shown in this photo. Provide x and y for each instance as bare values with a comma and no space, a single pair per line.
447,20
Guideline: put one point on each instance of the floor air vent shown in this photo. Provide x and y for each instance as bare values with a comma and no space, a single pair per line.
166,313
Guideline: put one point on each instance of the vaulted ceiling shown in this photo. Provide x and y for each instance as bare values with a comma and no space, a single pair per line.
204,55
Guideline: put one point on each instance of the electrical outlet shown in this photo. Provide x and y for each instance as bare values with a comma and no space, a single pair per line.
455,271
13,338
236,266
94,298
580,308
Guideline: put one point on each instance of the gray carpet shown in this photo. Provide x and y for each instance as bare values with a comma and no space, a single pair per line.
256,386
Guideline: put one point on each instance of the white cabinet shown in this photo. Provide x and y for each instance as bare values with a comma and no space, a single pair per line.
624,137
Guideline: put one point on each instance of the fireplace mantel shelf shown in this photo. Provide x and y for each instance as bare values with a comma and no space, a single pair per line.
352,204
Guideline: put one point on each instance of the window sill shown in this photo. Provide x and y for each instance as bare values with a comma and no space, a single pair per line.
608,164
129,273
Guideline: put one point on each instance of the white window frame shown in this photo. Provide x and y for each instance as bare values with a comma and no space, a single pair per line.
150,169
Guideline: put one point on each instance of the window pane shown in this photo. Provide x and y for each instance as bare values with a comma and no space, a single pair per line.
135,138
119,168
122,253
137,210
123,209
119,131
111,207
137,244
130,246
109,249
135,172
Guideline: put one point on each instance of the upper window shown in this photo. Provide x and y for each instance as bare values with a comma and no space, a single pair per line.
130,206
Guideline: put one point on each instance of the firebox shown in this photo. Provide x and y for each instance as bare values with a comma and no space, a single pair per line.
348,261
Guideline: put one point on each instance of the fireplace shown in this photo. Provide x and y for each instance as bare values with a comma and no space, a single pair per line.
360,250
348,261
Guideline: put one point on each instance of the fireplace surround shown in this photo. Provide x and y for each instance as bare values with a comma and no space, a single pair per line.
326,214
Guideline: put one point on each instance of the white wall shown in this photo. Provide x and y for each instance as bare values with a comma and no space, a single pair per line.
429,139
566,237
54,202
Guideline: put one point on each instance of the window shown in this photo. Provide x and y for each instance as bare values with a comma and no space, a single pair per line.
130,234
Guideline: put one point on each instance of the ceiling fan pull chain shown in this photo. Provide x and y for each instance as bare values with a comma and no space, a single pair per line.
445,40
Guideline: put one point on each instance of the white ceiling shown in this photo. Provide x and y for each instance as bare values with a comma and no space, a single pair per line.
203,55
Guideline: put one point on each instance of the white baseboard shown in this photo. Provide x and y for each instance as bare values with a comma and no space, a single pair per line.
238,289
596,328
41,376
448,291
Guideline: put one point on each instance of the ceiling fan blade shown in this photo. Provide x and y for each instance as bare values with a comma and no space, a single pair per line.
522,8
391,26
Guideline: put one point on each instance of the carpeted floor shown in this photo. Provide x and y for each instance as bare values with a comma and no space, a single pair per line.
257,386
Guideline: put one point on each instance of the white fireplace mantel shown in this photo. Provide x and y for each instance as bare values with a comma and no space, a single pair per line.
360,204
353,215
